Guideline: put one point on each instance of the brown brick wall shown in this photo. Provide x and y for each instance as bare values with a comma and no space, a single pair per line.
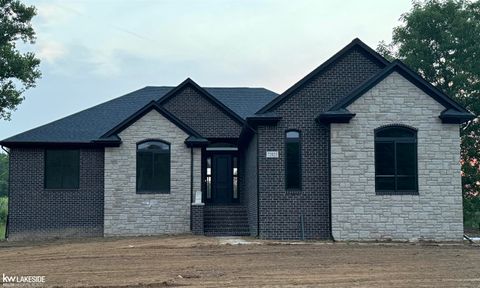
281,210
39,213
202,115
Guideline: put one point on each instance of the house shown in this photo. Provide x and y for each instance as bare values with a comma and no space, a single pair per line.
359,149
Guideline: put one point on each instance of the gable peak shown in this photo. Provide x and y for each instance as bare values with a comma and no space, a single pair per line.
356,42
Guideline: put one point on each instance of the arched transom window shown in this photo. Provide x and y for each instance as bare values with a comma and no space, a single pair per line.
153,167
396,160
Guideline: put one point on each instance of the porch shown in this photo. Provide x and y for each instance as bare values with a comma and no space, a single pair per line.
222,210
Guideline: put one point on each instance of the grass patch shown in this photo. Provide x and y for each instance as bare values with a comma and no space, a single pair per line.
2,231
3,215
471,212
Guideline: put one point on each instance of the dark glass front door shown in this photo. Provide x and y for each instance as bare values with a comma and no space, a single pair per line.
222,178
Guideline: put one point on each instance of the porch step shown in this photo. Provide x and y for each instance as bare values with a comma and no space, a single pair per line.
229,220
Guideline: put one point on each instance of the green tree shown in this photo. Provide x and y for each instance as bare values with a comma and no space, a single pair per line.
18,71
3,174
441,41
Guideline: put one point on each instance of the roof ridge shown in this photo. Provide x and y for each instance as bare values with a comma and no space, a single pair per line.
217,87
234,87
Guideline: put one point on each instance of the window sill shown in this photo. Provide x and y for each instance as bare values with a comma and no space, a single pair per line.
60,189
292,191
153,192
394,193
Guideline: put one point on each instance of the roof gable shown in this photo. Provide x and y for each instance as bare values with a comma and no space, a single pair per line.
140,113
454,112
356,43
190,83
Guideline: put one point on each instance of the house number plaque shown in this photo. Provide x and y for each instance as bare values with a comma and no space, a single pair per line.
272,154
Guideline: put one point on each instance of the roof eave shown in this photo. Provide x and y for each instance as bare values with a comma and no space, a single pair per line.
43,144
340,116
193,141
450,116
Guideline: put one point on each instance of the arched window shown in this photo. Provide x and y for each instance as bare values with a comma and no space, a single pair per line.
293,163
153,167
396,160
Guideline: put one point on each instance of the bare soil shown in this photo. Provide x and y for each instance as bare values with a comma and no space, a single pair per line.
207,262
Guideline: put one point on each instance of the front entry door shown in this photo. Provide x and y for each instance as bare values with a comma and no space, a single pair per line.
222,178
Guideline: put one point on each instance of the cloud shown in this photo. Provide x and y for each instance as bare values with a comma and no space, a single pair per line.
54,13
253,44
51,51
50,14
78,61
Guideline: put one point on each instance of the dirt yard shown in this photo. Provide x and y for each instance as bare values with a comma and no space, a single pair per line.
208,262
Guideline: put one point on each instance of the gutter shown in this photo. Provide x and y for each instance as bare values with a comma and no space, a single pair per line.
91,144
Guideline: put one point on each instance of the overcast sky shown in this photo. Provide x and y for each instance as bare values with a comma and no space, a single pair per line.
93,51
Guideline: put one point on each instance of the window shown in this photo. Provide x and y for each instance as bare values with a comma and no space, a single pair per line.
209,178
235,178
396,160
153,167
62,169
292,160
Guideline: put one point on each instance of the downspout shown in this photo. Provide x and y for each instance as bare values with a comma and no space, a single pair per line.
258,186
330,181
191,186
8,190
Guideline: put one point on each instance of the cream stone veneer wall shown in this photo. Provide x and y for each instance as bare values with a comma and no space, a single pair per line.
359,214
128,213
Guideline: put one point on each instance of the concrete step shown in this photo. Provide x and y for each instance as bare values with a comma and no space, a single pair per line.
226,221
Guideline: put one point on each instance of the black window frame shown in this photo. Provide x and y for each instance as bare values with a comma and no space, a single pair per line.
396,140
293,140
61,171
152,191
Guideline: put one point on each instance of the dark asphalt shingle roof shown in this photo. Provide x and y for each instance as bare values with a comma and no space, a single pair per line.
92,123
243,101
